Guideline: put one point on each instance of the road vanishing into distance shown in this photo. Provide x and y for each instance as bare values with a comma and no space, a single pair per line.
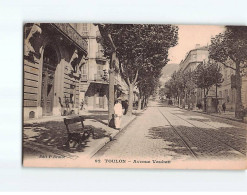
177,134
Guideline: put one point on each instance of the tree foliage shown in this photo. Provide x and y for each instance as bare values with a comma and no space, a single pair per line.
140,49
140,46
229,48
206,75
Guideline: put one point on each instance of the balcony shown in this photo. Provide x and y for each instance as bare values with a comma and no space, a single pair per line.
72,34
100,56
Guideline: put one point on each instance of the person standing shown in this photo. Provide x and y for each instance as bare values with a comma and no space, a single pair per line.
118,113
224,107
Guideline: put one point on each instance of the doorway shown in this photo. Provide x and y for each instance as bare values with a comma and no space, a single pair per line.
48,74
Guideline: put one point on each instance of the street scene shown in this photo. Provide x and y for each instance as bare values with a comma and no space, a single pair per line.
134,96
175,134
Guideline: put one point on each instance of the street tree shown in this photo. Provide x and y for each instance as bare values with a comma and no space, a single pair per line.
229,48
148,81
205,76
147,87
139,47
173,86
189,87
106,40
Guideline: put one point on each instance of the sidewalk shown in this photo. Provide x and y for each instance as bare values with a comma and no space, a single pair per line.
225,115
47,136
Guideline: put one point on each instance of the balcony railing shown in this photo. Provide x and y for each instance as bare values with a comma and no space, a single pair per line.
69,31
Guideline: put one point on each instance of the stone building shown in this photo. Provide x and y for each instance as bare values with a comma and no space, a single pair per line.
226,93
54,54
193,58
94,85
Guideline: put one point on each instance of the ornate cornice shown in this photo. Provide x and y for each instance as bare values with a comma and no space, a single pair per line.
72,34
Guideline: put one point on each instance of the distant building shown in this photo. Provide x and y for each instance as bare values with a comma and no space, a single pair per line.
193,58
226,93
54,54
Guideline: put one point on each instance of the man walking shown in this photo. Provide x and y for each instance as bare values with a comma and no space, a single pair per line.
118,113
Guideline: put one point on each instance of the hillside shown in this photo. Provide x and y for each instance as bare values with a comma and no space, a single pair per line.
167,72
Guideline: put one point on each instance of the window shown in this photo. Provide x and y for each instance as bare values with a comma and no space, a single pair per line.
100,70
84,69
84,29
220,94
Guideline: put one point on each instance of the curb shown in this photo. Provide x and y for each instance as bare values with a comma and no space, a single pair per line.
108,139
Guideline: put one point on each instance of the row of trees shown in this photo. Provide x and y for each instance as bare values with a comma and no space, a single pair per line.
226,49
182,85
142,52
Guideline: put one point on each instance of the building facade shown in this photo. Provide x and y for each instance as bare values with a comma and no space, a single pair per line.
226,93
192,60
94,83
54,54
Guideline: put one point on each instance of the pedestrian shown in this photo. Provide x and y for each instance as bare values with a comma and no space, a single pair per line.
118,113
224,107
126,105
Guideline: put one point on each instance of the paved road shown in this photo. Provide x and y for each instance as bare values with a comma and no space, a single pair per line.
173,133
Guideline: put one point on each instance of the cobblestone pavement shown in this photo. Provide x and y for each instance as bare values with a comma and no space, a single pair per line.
173,133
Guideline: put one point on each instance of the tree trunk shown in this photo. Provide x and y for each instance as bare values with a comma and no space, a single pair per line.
131,95
146,101
111,95
142,103
139,102
205,101
111,87
238,92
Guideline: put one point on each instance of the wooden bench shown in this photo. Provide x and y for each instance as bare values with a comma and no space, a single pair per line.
79,135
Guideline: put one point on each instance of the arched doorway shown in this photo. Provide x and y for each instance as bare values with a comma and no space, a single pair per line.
50,62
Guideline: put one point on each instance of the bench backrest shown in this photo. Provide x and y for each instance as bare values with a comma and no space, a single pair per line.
72,121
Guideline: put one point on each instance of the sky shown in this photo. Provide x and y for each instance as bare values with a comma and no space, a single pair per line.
189,36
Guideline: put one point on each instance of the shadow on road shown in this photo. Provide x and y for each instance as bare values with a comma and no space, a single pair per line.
173,143
223,143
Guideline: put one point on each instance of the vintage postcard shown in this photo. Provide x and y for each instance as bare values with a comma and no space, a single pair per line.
155,96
